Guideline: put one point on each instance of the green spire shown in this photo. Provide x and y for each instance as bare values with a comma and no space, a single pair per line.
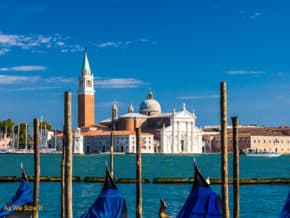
86,70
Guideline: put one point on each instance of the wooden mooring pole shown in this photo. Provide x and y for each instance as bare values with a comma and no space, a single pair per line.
63,199
224,150
112,155
68,154
138,175
36,148
236,174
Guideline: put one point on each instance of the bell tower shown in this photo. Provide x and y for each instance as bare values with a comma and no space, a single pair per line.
86,93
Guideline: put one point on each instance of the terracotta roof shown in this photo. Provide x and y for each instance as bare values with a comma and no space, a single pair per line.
107,133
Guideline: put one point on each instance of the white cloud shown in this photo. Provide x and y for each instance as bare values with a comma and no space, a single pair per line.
23,68
145,40
196,97
59,80
15,79
34,42
118,83
60,43
255,15
3,51
108,44
8,79
36,88
122,44
244,72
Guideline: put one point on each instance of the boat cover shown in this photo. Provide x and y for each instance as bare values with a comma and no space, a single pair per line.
286,209
20,204
202,201
109,203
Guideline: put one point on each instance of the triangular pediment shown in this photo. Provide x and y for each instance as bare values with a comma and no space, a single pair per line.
184,115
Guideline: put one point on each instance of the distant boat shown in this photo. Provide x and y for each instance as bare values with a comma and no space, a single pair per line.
109,203
285,213
21,203
259,153
3,151
201,202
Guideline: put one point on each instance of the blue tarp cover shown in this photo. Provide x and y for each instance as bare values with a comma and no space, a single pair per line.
286,209
202,201
22,197
109,204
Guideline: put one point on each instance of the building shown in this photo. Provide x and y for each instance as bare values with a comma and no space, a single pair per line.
86,92
98,141
250,137
173,132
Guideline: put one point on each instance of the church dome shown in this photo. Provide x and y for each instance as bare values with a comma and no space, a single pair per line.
150,106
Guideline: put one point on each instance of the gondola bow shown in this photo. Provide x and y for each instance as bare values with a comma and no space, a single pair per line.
109,203
202,201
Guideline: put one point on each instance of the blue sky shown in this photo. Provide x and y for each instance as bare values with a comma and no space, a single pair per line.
180,49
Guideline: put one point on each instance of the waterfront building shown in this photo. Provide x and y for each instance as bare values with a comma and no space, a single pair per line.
174,132
86,92
45,138
258,138
124,141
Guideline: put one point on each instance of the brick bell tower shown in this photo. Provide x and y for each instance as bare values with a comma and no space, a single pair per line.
86,92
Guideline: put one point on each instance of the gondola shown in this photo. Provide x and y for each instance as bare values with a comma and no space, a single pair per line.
202,201
109,203
285,213
21,204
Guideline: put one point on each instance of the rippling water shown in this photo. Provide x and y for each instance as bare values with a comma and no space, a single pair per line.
256,200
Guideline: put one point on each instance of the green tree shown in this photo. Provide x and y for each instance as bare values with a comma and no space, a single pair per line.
46,125
9,124
23,133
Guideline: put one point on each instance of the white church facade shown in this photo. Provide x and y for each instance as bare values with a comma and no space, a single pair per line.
181,136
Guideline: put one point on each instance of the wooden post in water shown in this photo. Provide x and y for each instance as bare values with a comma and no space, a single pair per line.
68,154
36,148
112,155
138,174
224,150
236,174
63,199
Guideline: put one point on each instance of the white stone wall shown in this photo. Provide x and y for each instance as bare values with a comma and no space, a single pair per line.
122,143
182,136
78,143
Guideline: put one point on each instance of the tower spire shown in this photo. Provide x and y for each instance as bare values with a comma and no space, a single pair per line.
86,70
86,94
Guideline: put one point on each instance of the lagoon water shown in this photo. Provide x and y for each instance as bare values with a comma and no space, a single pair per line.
256,200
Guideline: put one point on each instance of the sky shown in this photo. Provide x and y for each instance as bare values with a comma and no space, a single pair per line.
180,49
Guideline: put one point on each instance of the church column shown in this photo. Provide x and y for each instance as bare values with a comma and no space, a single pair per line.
173,135
178,137
187,137
192,137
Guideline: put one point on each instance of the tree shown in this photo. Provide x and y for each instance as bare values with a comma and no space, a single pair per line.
23,133
9,124
46,125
